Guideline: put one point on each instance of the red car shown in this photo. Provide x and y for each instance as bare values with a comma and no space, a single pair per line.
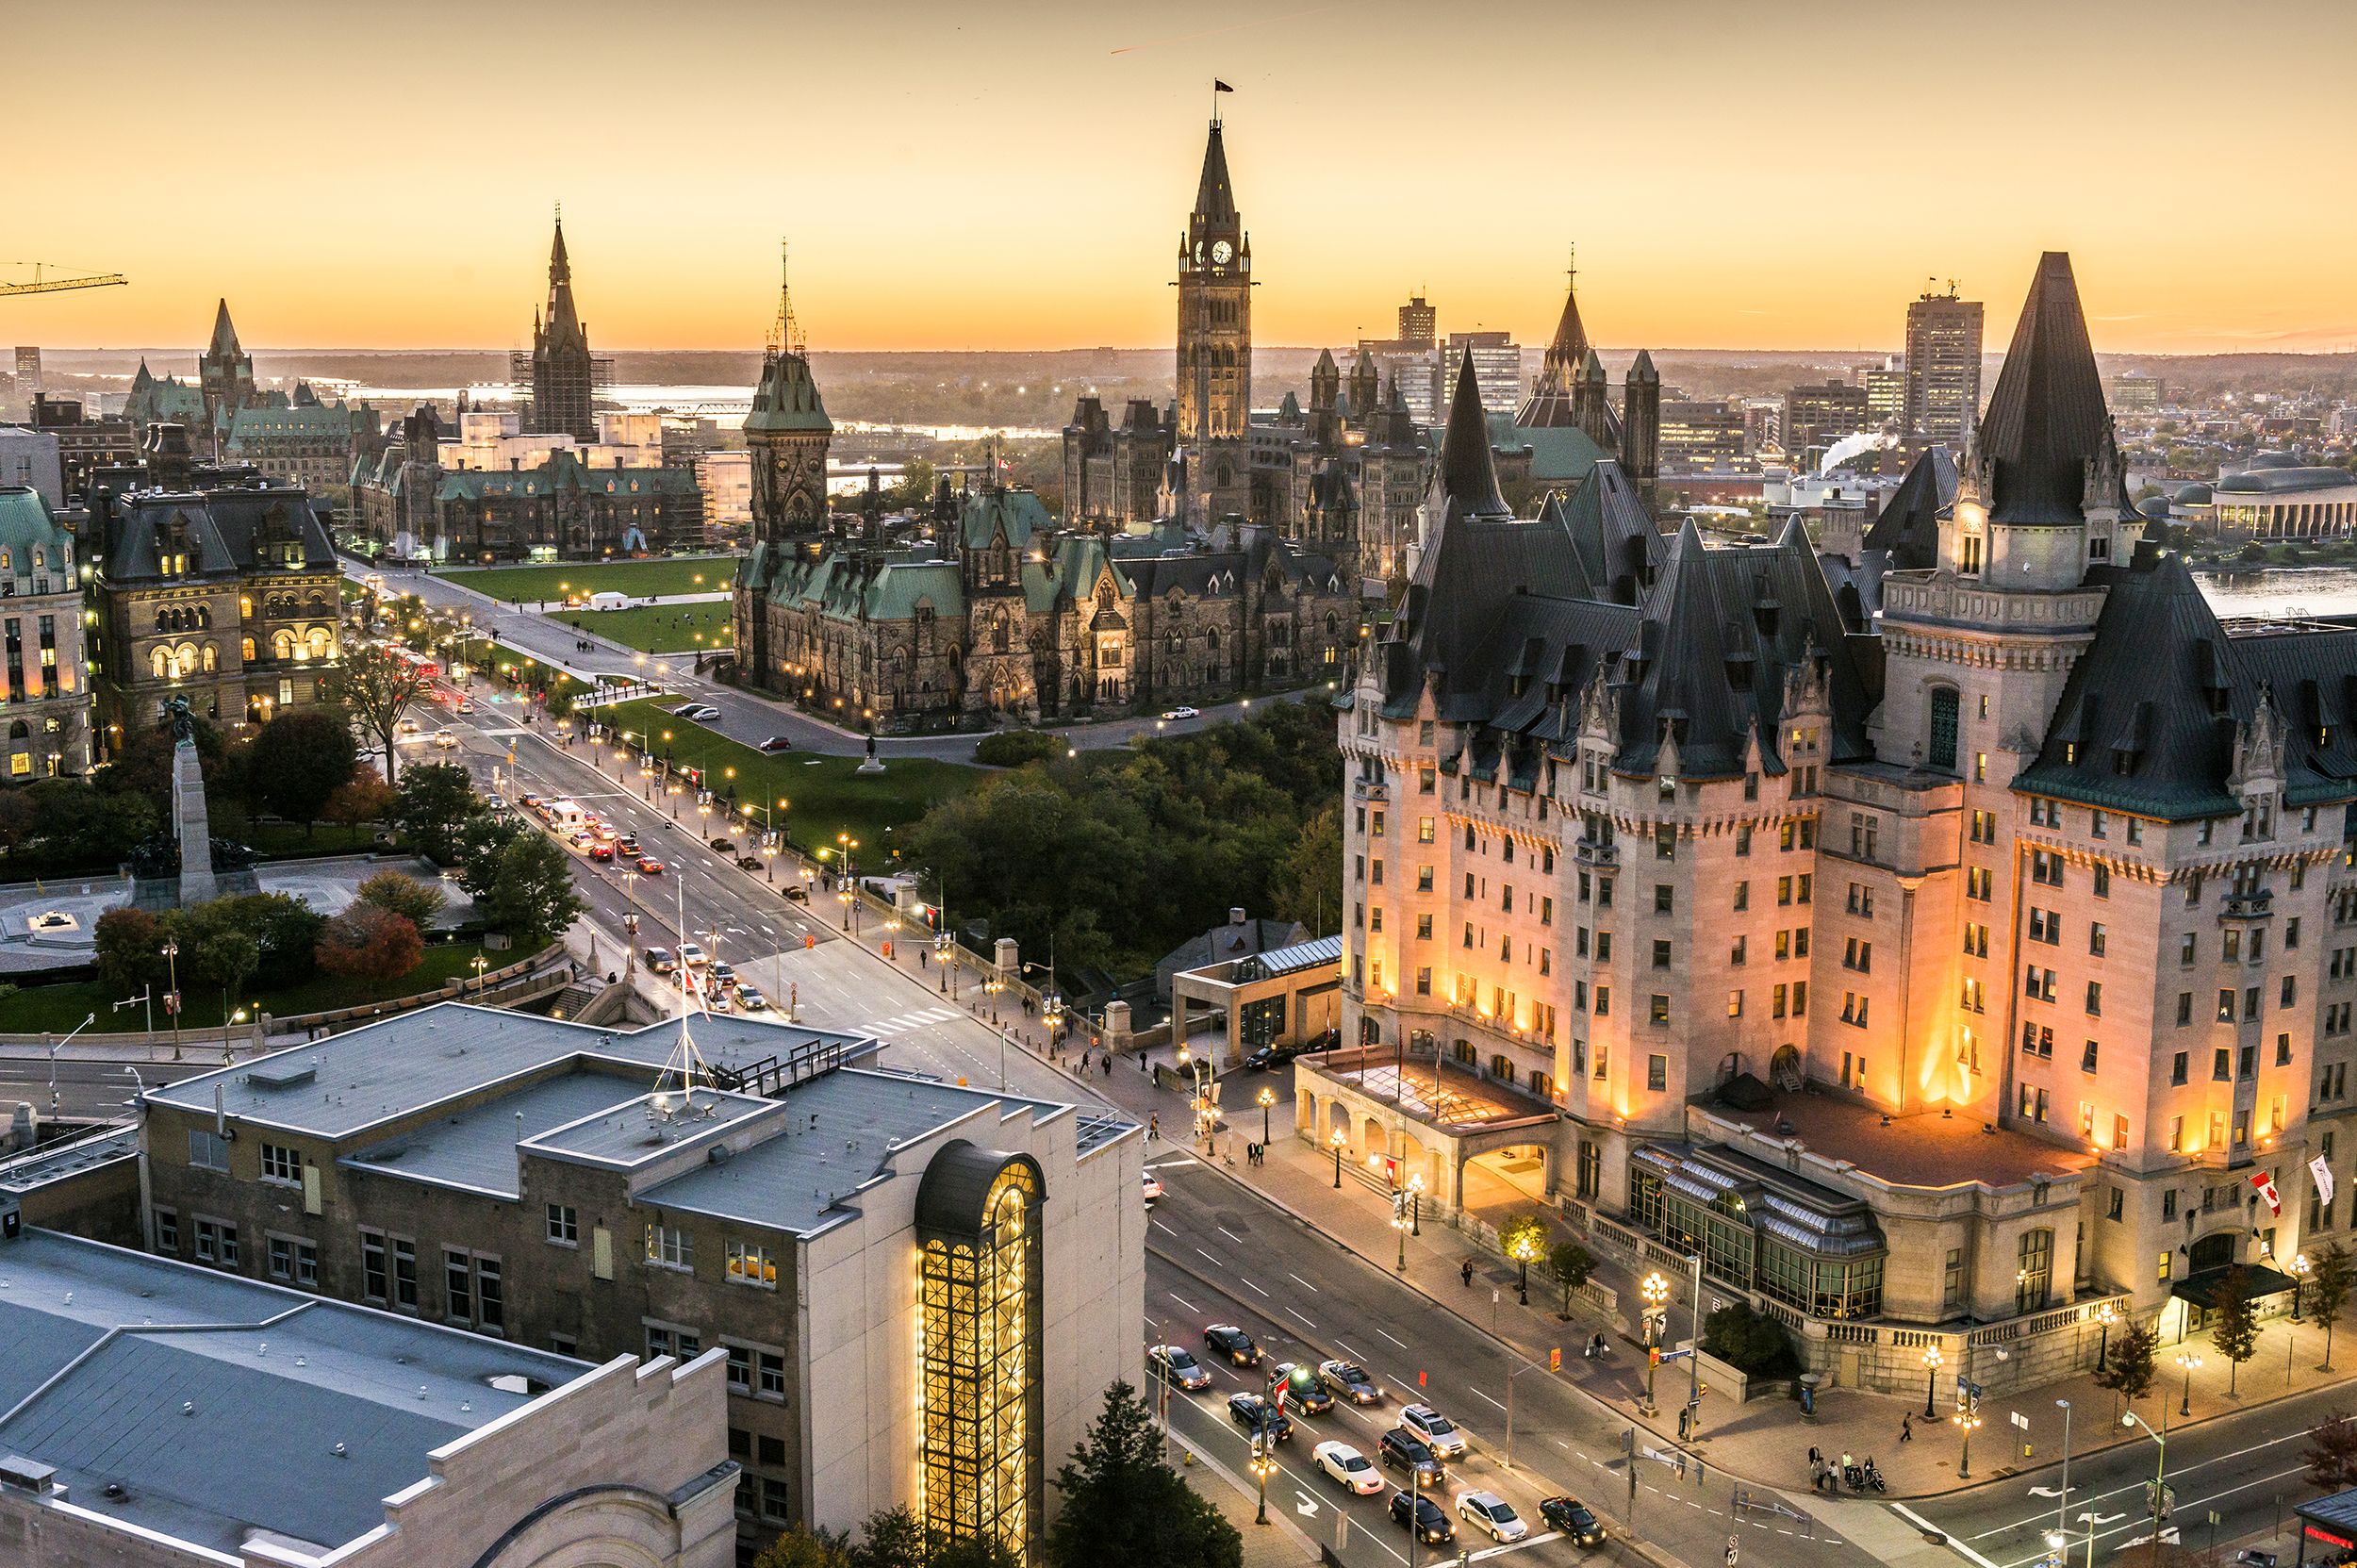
600,851
648,866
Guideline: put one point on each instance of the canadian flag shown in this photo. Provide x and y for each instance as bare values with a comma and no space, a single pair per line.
2266,1183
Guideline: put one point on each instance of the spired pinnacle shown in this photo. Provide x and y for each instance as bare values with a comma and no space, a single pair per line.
1468,472
1213,199
785,332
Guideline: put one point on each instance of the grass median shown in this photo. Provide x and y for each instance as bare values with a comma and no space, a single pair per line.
639,579
825,796
55,1009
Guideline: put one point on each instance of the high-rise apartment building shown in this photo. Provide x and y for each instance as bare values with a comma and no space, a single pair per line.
28,371
1943,368
1497,362
1886,394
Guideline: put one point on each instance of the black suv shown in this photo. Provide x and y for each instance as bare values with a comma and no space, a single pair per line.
1571,1516
726,845
1246,1410
1404,1450
1232,1343
1426,1519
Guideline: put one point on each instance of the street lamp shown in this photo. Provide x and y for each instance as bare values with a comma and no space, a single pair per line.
1205,1074
1263,1465
1267,1097
1415,1204
2062,1524
2159,1474
2299,1277
1967,1420
1524,1249
172,996
1399,1224
2188,1361
1655,1290
1933,1362
53,1058
1338,1140
2106,1316
479,964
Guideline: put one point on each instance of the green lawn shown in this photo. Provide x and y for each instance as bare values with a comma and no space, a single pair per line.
826,795
55,1009
640,579
656,628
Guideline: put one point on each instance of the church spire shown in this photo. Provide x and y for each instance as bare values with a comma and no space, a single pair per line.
1215,203
564,318
785,333
225,334
1570,345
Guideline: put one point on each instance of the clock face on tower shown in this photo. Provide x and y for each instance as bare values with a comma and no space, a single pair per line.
1198,253
1222,254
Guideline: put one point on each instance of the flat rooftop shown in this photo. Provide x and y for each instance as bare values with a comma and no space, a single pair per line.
207,1406
27,1172
476,1150
347,1083
1921,1149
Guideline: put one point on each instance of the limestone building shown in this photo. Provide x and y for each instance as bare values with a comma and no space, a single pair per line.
206,583
2040,887
47,705
834,1233
1214,405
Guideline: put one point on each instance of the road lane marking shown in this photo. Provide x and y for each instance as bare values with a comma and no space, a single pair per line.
1299,1281
1205,1256
1182,1301
1305,1322
1478,1394
1393,1338
1345,1349
1923,1523
1239,1240
1249,1282
1163,1228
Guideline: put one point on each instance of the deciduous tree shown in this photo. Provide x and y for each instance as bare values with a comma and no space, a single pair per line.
433,800
2235,1332
1571,1264
369,942
801,1546
298,761
2129,1370
2331,1453
378,688
527,890
128,948
414,900
2329,1293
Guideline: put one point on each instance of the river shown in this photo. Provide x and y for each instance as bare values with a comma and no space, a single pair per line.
2299,591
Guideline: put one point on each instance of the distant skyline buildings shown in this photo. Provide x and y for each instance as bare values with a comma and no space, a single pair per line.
681,196
1942,388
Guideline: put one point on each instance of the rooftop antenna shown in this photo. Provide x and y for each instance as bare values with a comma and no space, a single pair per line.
785,333
686,1063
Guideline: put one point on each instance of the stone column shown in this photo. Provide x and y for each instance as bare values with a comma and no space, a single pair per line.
191,827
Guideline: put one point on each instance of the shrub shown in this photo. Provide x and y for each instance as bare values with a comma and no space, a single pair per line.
1014,747
367,942
1751,1342
414,900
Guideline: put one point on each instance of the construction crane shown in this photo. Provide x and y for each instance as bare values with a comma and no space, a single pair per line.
51,284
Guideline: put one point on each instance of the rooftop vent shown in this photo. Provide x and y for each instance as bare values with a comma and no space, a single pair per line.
25,1475
282,1075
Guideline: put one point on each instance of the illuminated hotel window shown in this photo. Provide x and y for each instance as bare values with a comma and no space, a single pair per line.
978,1239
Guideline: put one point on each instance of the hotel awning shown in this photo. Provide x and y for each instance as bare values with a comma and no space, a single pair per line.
2201,1289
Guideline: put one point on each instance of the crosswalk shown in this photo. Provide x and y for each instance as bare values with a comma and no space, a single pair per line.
884,1029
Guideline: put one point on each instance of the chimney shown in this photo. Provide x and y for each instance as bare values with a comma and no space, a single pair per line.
1235,916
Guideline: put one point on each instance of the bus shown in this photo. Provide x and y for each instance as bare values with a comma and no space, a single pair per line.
422,664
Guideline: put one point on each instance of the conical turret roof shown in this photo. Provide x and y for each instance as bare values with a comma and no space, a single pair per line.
2047,418
1215,203
1469,474
225,334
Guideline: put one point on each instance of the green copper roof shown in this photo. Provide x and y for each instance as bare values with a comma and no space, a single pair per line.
26,527
787,399
1559,454
1018,511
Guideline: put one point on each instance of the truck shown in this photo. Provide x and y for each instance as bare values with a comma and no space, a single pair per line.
564,815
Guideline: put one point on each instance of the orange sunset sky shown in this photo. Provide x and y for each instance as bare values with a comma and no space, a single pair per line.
1015,176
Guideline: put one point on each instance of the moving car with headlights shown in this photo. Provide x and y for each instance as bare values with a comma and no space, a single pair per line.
1346,1466
1172,1364
689,953
649,867
1302,1390
1180,712
1424,1516
1404,1450
1249,1410
750,1000
661,961
1232,1344
1490,1513
1436,1429
1572,1517
1153,1185
1350,1382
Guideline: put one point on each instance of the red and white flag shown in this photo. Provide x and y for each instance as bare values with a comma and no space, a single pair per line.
2266,1183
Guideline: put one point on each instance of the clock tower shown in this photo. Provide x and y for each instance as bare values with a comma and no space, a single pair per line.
1215,344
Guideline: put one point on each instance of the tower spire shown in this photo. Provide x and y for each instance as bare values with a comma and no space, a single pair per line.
785,333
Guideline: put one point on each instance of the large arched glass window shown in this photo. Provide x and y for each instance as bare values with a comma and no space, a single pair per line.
1941,754
2034,1282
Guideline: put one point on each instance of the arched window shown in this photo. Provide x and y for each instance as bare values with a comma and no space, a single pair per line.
204,618
20,731
282,644
245,649
2035,1279
41,559
185,658
323,646
212,659
1941,751
159,662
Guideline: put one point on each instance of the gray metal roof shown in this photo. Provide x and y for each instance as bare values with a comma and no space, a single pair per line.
633,1132
476,1150
38,1169
407,1063
167,1380
839,1136
1301,955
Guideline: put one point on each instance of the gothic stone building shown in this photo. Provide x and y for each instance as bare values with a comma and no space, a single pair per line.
2041,886
224,590
46,711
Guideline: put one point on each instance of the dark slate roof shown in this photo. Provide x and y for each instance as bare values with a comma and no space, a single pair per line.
1621,551
1549,405
564,323
2047,419
2152,714
1468,471
788,398
225,334
225,529
1213,201
1907,532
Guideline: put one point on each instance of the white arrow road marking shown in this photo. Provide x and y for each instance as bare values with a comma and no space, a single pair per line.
1308,1505
2168,1538
2044,1491
2100,1518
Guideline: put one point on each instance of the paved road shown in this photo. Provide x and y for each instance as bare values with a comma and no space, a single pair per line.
86,1090
744,716
2246,1468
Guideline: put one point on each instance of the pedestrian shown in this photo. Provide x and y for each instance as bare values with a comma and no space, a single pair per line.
1464,1272
1907,1428
1140,1062
1815,1455
1109,1063
1153,1126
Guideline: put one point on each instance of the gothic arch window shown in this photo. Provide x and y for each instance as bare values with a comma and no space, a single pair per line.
1214,639
1333,623
998,636
282,644
212,658
160,663
1940,750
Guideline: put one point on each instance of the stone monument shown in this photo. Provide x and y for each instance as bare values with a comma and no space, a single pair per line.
189,824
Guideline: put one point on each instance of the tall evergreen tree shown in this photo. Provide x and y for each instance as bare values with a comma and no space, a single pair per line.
1122,1505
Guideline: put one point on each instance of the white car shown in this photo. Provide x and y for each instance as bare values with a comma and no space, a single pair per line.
1488,1511
1181,713
702,713
1153,1188
690,953
1439,1432
1348,1466
444,741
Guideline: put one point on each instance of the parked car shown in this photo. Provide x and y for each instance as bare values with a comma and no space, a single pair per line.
1572,1517
750,1000
649,867
1181,713
661,961
1402,1449
1303,1390
702,713
1491,1514
1249,1410
1233,1343
1172,1364
748,863
1347,1379
1349,1467
795,894
725,846
776,743
1436,1429
1424,1516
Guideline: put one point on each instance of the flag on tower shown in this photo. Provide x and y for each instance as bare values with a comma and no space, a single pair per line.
1218,86
2266,1183
2323,1173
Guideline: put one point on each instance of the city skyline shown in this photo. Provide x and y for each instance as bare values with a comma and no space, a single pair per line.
1012,188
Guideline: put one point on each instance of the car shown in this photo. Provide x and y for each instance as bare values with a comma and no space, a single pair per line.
1271,1056
1232,1344
465,707
661,961
1424,1516
1350,1382
722,976
600,849
796,893
748,863
1346,1466
1404,1450
649,867
409,726
627,844
692,955
750,1000
1491,1513
702,713
1248,1409
1153,1185
530,803
1180,712
1436,1429
1572,1517
606,831
1172,1364
444,741
582,839
1303,1392
775,743
716,1001
725,846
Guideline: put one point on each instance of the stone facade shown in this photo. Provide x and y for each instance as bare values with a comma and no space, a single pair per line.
2042,890
46,719
563,371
